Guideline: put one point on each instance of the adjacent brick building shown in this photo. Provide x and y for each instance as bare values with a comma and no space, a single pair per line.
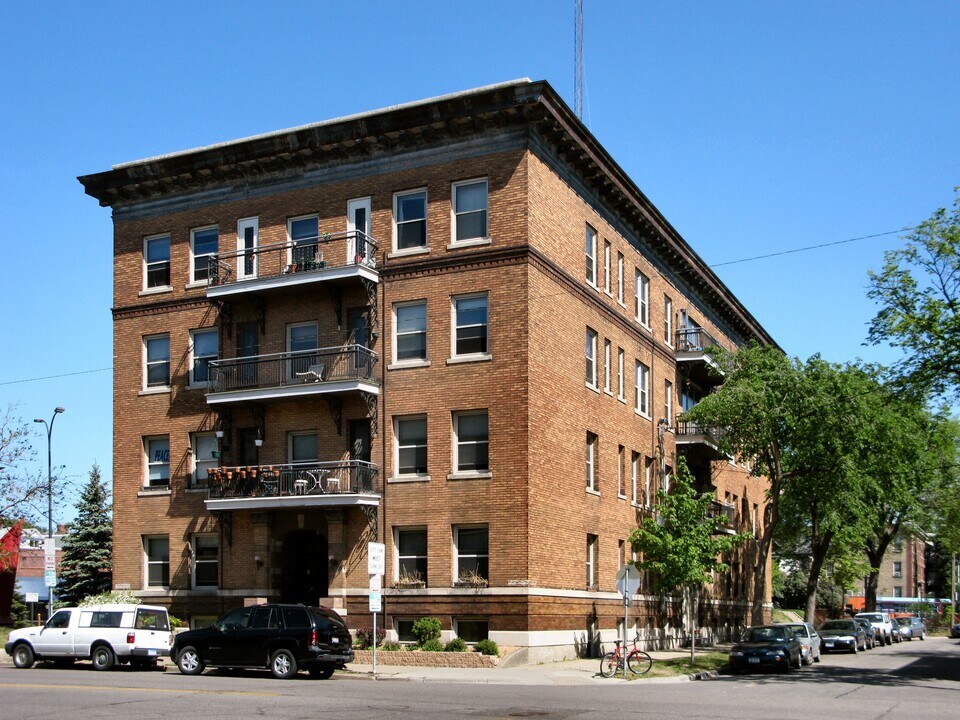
455,327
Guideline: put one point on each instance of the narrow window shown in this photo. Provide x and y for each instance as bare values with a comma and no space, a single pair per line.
668,402
591,252
204,348
157,369
157,450
412,556
410,219
620,278
471,325
411,332
606,266
204,242
667,320
642,388
591,562
473,554
156,257
620,456
206,555
591,357
647,482
591,467
606,365
248,230
411,434
620,395
470,210
634,476
472,441
642,299
157,551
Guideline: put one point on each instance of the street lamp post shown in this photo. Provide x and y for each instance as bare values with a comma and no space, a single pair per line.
49,427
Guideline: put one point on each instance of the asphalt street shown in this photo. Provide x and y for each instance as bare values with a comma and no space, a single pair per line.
912,680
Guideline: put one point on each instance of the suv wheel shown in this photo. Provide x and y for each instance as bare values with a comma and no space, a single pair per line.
189,661
283,665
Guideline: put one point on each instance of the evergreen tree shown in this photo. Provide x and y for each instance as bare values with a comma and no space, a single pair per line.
85,565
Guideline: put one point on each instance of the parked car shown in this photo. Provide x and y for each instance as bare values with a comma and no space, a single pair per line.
766,646
912,628
895,634
881,621
105,634
842,635
955,630
283,638
809,641
872,633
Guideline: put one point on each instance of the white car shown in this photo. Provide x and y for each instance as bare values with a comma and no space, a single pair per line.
809,642
882,623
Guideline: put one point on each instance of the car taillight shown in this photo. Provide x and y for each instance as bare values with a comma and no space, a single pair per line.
131,637
313,637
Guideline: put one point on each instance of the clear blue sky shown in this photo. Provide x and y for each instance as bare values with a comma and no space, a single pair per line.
755,127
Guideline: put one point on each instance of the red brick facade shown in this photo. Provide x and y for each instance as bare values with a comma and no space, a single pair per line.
546,182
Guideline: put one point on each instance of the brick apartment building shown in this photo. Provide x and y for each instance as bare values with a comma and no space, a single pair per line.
453,326
903,571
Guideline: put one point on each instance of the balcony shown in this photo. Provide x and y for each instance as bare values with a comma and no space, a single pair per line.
305,373
727,515
328,258
702,442
691,346
299,485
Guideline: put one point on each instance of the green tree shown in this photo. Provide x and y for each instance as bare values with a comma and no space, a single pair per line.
682,545
85,565
918,291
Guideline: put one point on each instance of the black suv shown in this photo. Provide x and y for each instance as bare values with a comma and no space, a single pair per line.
283,638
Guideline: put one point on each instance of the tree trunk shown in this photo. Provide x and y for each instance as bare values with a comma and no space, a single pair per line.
818,557
691,593
771,519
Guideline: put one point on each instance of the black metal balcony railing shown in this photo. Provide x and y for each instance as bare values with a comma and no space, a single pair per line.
686,429
726,513
694,339
316,478
343,249
323,365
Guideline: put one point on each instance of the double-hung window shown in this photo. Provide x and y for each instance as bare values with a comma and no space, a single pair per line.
204,243
634,476
591,466
410,220
591,253
412,555
156,260
592,542
642,299
157,450
606,266
206,555
470,210
668,320
591,356
473,553
620,278
607,370
668,402
642,404
204,458
156,550
302,343
410,328
472,446
411,435
157,361
620,395
205,347
470,325
304,238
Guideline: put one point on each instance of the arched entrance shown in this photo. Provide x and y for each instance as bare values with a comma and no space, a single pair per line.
304,576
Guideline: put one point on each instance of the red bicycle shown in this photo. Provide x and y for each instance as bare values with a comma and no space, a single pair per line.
638,662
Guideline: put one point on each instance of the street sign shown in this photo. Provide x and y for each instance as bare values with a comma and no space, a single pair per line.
50,578
376,602
31,597
628,579
376,583
376,558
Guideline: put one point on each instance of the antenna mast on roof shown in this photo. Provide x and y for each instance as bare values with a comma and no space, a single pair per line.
578,59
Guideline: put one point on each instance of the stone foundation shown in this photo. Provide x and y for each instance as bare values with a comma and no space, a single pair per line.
420,658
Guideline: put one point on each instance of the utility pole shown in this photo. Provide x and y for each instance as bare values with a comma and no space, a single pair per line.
51,547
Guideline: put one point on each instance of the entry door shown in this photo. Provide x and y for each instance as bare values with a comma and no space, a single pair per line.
247,451
358,225
358,321
361,479
304,569
248,345
248,238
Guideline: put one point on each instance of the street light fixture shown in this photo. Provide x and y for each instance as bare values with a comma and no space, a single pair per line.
49,427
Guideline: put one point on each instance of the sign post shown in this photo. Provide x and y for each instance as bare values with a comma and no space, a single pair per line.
376,566
628,582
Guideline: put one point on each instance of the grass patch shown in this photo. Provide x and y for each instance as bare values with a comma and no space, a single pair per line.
682,666
4,634
779,616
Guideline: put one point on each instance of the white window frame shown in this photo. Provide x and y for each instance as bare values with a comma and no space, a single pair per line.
607,370
647,482
147,387
198,461
897,568
455,354
590,250
593,542
606,266
194,383
397,446
634,476
290,444
457,472
148,563
318,251
592,449
591,359
197,561
620,379
457,555
146,265
149,464
641,384
426,215
194,257
667,320
399,557
242,225
455,214
620,260
668,403
642,298
411,362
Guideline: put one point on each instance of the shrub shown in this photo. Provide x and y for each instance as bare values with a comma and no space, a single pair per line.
364,638
455,645
175,622
391,646
118,597
487,647
432,646
426,629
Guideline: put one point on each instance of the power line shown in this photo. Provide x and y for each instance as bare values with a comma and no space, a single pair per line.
811,247
52,377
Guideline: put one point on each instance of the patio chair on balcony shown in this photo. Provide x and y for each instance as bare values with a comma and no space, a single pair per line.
312,374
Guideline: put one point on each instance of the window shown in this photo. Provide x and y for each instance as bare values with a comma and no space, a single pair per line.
411,435
473,553
620,452
634,475
410,219
642,387
620,374
642,299
897,569
898,590
156,256
606,365
592,482
304,238
470,210
647,482
472,442
206,554
412,555
667,320
157,450
591,358
620,278
157,370
591,251
668,402
204,347
472,631
897,545
204,242
204,458
591,562
301,339
157,551
410,326
248,230
606,266
470,314
303,447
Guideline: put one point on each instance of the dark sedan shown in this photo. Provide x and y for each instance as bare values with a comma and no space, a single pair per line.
955,630
766,646
842,635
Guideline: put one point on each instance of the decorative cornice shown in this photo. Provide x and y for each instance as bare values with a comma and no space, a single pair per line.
160,308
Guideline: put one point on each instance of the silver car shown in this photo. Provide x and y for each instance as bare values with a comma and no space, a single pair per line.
809,641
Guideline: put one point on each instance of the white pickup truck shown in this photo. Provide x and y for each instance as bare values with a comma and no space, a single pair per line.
105,634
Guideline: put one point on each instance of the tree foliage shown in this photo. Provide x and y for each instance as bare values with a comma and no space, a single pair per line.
918,291
85,565
23,488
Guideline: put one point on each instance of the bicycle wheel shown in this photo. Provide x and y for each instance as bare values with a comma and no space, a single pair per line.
609,664
638,662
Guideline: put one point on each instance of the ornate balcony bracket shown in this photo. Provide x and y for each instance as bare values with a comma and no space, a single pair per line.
336,410
371,288
372,518
225,520
371,401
